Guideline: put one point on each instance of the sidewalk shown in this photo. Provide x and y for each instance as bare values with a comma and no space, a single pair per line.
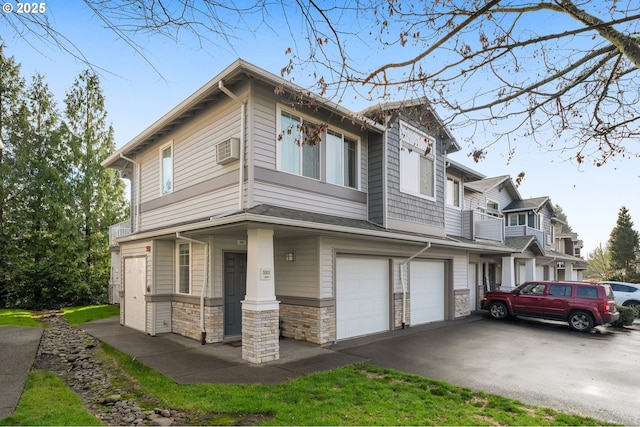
18,347
186,361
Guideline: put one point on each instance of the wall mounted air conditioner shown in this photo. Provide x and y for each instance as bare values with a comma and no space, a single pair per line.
228,151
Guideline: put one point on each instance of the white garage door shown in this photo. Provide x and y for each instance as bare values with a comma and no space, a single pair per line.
135,278
427,291
362,296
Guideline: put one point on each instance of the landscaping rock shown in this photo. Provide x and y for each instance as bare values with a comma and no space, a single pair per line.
70,352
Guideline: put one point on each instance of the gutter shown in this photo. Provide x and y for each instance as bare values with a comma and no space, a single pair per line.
137,173
243,108
248,217
403,271
205,281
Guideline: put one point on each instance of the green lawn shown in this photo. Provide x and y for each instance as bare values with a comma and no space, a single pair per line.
355,395
77,315
16,317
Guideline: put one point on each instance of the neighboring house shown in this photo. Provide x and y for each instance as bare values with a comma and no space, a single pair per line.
240,232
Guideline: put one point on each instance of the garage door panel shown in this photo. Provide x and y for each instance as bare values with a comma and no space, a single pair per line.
362,296
427,291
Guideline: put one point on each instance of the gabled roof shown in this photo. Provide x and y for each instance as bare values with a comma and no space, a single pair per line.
212,91
500,182
532,204
468,173
378,112
522,243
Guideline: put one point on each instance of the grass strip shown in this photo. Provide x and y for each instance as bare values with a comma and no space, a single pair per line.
355,395
77,315
16,317
47,401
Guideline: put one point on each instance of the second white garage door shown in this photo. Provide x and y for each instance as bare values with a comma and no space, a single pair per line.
362,296
427,291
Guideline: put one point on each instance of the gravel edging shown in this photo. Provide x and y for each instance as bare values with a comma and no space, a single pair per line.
69,352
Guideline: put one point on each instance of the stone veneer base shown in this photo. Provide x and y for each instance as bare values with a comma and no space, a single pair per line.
260,335
185,320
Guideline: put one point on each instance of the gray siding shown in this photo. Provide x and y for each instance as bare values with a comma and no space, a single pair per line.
376,179
164,267
201,187
295,191
300,278
406,207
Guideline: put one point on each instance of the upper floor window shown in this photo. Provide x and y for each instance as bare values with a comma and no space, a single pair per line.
493,208
166,169
341,159
184,268
522,219
333,158
453,192
296,156
417,162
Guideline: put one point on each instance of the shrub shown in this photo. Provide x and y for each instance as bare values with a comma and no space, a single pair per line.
627,316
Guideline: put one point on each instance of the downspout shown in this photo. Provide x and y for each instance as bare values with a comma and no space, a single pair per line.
203,332
403,270
136,167
243,107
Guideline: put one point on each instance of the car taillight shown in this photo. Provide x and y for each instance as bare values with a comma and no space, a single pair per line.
607,308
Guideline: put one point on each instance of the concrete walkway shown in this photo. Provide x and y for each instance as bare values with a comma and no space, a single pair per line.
186,361
18,347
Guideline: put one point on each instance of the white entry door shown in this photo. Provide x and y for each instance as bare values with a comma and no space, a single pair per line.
362,296
135,279
426,291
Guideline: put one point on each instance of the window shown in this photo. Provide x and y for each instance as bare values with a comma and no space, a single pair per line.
295,156
184,268
166,170
453,192
417,162
587,292
560,290
492,208
341,160
517,219
533,289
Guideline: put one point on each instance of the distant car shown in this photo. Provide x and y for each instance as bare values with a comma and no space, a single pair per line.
627,294
582,305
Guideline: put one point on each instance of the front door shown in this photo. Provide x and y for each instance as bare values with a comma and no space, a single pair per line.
235,289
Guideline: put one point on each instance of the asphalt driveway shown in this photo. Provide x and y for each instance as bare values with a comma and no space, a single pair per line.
543,363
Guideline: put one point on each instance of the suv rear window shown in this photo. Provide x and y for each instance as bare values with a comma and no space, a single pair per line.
587,292
560,290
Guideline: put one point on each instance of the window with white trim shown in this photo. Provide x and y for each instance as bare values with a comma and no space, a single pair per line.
453,192
184,268
492,208
517,219
296,157
342,165
166,169
417,162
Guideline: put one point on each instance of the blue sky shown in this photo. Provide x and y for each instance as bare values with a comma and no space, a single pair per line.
137,95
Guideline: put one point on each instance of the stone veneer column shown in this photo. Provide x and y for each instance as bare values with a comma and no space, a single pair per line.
260,310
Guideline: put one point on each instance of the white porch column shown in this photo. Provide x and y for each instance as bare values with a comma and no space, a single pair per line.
530,270
508,273
260,310
570,273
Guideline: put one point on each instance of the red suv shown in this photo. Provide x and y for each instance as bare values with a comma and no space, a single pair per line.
583,305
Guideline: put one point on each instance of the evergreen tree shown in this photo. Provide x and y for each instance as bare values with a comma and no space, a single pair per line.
11,108
624,243
566,228
98,192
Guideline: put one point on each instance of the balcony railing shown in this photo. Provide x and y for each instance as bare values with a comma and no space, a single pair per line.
119,230
488,227
523,230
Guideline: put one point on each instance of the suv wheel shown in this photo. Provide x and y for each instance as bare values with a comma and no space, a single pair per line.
498,310
581,321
